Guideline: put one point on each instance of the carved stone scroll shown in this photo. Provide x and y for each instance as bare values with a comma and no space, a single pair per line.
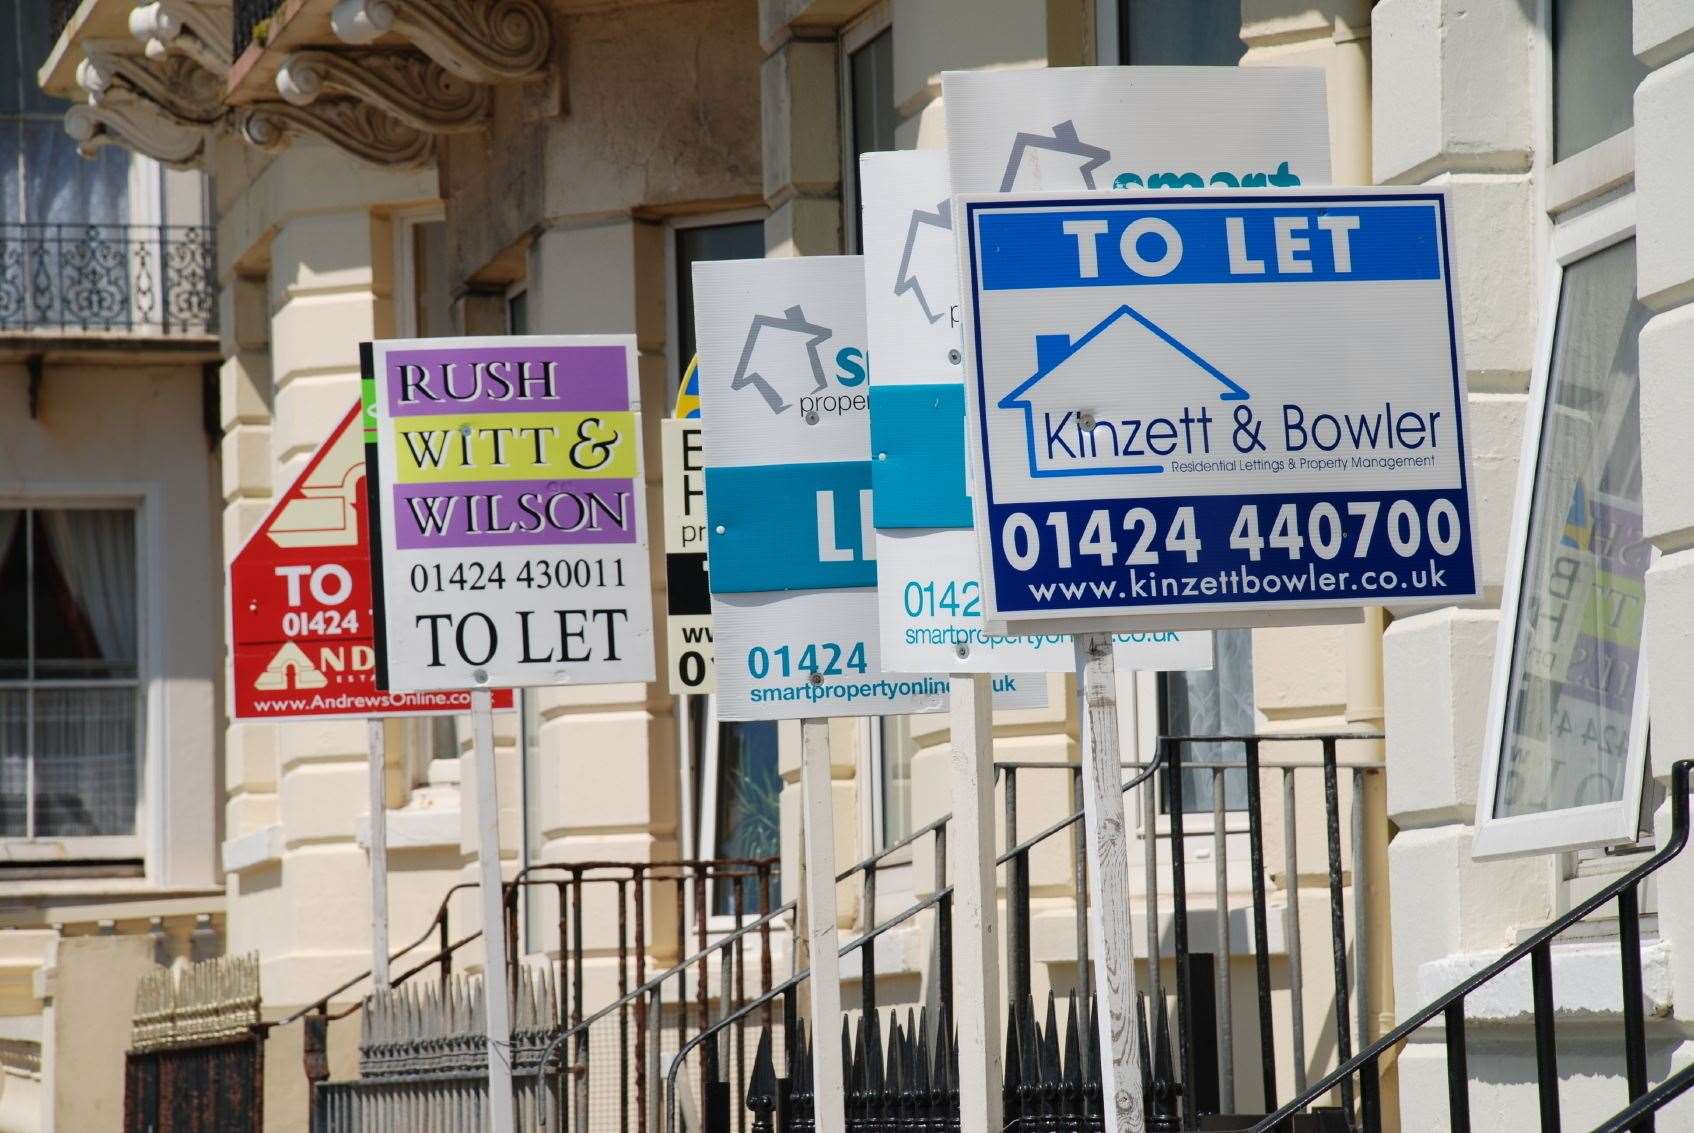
359,128
485,41
413,88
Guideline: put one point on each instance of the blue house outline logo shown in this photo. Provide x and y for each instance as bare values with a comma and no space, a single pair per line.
1053,351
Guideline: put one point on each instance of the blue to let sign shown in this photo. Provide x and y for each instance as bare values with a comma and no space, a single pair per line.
1215,402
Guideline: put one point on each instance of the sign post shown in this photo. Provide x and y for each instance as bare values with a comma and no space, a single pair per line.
1094,129
783,370
378,761
510,542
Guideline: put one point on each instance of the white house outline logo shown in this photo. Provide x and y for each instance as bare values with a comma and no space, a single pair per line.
1053,351
793,321
905,282
1063,140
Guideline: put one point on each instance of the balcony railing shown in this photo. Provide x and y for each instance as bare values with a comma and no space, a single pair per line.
249,14
122,278
60,15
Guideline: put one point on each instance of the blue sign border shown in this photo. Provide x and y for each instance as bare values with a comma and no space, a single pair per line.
974,209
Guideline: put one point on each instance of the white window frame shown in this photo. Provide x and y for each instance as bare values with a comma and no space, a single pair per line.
854,35
1587,204
1597,824
405,222
151,828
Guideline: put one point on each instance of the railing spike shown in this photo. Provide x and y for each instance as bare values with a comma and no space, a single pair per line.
761,1085
1073,1043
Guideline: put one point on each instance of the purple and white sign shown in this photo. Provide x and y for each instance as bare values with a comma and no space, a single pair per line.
510,526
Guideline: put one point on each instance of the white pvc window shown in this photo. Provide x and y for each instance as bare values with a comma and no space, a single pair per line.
1564,761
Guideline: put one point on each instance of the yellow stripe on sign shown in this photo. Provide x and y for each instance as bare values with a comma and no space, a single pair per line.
513,446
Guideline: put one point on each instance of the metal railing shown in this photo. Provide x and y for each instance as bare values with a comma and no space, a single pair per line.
135,279
1182,1090
1538,947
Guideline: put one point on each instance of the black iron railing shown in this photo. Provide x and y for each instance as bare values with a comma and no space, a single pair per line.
1450,1008
137,279
1195,1085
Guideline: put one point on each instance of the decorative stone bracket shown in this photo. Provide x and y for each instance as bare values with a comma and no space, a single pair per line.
180,87
360,129
413,88
484,41
200,29
130,120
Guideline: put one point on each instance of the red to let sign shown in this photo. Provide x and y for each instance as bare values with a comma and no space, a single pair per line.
300,602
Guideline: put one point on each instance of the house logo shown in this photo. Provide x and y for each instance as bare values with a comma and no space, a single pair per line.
923,223
1072,403
1052,161
780,359
290,668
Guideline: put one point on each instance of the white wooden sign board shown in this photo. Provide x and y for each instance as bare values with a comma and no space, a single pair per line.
784,375
510,507
1215,403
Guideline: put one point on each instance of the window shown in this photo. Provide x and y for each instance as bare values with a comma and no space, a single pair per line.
70,699
1180,32
741,240
517,310
1595,73
742,806
1568,741
869,116
891,763
1211,702
42,177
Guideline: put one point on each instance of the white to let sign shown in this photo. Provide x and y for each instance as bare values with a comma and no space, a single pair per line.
506,481
1186,404
783,385
928,570
688,613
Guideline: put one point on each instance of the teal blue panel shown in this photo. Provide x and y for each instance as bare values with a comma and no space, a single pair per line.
918,440
789,527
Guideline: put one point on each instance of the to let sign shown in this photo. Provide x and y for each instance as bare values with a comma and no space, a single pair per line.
688,597
300,613
1187,404
512,535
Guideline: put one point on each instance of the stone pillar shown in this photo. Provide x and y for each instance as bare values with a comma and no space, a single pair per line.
1451,105
608,765
1664,241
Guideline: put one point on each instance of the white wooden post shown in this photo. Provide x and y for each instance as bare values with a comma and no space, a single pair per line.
976,936
502,1117
1108,885
379,853
824,986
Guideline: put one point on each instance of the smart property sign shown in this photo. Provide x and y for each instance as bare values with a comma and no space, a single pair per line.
511,536
928,571
301,623
688,620
1185,404
783,376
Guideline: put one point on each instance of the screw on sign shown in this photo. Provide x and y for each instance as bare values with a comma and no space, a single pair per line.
300,602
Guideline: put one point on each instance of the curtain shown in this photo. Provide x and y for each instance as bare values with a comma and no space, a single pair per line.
95,550
85,738
1215,702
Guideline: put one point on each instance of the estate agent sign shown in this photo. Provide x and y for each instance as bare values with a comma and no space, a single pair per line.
512,532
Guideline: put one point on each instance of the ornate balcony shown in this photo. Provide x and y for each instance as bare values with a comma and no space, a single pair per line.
74,279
